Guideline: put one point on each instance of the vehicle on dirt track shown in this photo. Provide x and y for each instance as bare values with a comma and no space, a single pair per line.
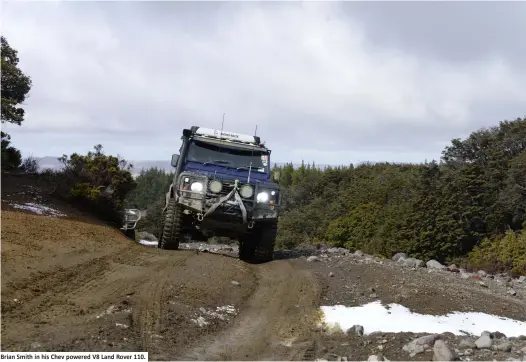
131,217
222,187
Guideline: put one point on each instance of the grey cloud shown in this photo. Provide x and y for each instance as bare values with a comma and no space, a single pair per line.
319,82
449,31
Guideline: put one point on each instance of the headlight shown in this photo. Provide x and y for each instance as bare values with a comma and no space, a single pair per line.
196,186
246,191
262,197
215,186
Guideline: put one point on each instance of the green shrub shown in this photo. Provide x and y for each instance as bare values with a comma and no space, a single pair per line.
357,229
97,181
502,253
11,157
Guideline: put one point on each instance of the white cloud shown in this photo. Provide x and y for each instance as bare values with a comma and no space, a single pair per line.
305,73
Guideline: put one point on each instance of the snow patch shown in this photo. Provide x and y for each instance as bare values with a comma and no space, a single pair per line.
39,209
223,313
395,318
148,242
110,310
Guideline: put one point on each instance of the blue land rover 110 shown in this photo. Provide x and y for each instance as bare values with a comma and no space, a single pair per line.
223,187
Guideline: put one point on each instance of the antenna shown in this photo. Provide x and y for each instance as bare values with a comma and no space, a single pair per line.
221,133
256,131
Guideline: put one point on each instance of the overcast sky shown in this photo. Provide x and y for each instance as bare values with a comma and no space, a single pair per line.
328,82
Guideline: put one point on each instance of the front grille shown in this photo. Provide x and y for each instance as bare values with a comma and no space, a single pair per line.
227,187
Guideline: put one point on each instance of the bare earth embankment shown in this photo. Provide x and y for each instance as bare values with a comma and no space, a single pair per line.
72,284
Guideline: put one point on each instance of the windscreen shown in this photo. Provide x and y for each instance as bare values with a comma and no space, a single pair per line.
225,156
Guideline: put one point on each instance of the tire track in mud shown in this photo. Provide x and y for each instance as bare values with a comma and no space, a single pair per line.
121,276
44,287
147,315
282,308
95,280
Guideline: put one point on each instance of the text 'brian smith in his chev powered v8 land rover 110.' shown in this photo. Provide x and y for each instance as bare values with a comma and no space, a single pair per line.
222,186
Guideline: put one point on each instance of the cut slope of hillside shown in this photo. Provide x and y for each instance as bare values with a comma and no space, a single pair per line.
69,284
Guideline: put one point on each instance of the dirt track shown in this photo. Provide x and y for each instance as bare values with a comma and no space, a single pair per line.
86,287
72,284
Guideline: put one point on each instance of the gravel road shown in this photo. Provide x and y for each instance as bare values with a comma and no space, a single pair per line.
70,284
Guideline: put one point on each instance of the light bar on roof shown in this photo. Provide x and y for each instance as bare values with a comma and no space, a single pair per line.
236,137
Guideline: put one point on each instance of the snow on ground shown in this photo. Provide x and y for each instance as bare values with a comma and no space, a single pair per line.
223,313
148,242
39,209
394,318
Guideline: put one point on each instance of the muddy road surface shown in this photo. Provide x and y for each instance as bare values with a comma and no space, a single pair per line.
74,286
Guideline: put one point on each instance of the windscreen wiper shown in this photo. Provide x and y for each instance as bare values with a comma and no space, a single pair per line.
249,167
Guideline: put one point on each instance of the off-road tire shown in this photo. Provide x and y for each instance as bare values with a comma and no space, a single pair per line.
257,245
171,231
130,233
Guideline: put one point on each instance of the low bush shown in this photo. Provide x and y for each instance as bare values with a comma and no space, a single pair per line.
11,157
30,165
503,253
97,181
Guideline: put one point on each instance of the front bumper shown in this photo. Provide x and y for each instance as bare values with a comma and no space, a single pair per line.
229,207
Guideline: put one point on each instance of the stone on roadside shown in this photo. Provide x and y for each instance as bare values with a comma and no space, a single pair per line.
453,268
504,347
331,274
482,273
340,251
522,279
466,343
235,283
359,253
484,341
433,264
420,344
313,258
512,292
465,275
358,329
442,352
399,255
419,263
498,335
412,262
375,358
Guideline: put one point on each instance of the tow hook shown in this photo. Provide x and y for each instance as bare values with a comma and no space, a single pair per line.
200,217
251,224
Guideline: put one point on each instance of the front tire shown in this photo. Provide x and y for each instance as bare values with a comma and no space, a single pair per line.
257,245
171,232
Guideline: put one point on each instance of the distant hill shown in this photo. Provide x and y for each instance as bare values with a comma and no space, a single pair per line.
50,162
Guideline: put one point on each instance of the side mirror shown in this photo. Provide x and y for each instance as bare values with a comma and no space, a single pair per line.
276,176
175,159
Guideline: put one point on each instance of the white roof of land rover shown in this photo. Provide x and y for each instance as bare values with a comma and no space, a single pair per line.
224,135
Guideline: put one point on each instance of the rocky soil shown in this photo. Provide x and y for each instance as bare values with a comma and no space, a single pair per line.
72,284
354,279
